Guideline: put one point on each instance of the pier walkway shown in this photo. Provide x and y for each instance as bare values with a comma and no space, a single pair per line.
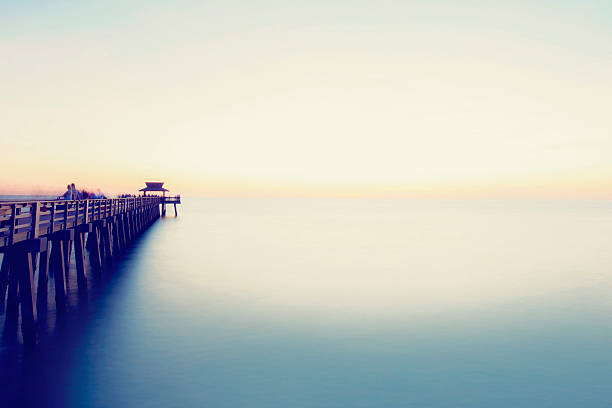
37,240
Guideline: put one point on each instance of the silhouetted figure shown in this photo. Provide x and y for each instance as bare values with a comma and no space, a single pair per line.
75,192
68,193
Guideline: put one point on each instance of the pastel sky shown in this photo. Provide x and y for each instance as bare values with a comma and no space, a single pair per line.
407,98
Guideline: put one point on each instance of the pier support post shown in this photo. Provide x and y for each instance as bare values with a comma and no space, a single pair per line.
115,236
134,225
93,244
106,243
43,277
67,243
58,265
79,254
135,229
121,232
21,287
12,297
127,224
136,218
26,264
4,277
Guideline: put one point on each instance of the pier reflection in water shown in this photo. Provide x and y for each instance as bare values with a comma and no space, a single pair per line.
335,303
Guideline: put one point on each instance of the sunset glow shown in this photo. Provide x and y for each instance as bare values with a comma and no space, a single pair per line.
419,99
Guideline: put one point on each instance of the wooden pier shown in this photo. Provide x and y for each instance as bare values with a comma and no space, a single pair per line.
37,240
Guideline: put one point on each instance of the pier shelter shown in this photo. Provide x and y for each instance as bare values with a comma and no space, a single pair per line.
156,187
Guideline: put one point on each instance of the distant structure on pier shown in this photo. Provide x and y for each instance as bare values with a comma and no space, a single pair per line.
158,186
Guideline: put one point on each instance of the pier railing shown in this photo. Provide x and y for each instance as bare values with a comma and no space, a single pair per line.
171,200
23,220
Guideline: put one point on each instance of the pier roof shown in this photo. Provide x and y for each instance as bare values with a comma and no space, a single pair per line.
154,186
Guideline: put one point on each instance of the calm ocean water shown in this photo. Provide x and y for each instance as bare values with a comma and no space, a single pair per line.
339,303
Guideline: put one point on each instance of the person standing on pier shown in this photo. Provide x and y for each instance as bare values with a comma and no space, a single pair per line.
75,192
68,193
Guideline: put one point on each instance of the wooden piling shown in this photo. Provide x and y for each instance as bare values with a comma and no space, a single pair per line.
106,242
58,269
12,298
121,232
26,268
21,287
79,254
136,221
115,237
128,228
4,278
132,225
67,243
43,277
94,249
